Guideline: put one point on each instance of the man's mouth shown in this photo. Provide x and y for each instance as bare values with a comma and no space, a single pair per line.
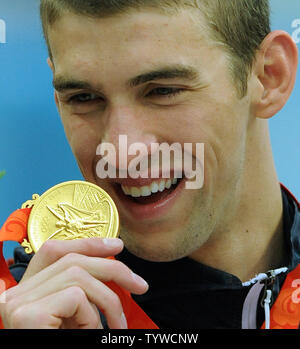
155,191
146,199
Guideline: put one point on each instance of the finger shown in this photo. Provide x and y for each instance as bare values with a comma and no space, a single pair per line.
102,269
53,250
68,308
97,293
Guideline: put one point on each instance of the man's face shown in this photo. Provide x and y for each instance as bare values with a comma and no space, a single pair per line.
96,65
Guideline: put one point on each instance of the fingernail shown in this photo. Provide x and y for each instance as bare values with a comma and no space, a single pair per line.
123,322
112,243
140,280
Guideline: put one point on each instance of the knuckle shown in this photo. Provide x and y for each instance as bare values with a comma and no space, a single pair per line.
117,266
70,259
77,294
76,273
49,248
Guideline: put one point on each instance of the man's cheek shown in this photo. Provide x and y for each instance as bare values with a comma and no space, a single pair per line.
80,135
84,150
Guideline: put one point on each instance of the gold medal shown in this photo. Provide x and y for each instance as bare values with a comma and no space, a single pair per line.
68,211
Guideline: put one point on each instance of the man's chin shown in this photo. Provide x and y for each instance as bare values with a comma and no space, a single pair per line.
156,246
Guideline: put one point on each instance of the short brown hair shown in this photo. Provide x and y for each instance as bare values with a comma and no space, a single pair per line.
239,26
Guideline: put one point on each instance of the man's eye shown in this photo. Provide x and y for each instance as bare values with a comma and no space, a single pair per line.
83,98
165,91
84,103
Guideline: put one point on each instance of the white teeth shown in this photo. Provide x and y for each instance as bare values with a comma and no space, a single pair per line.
168,184
135,192
162,186
145,191
126,190
154,187
151,189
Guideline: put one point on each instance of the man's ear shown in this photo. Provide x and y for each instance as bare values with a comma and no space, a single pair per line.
51,65
275,68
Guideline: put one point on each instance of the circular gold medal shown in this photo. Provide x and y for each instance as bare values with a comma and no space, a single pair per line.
68,211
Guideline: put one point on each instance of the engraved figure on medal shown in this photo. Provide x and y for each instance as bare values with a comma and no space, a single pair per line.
75,223
86,217
69,211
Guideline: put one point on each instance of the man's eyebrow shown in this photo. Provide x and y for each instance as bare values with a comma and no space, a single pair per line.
171,72
61,83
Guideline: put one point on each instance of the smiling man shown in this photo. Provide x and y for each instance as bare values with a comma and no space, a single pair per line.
181,71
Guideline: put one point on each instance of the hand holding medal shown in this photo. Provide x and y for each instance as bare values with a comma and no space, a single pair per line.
73,229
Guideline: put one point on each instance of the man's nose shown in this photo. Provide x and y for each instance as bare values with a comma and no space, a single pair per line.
130,134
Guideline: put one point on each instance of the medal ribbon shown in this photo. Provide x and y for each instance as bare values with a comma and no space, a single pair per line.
15,229
285,313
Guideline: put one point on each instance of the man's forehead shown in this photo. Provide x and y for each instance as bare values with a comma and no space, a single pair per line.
133,25
108,45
